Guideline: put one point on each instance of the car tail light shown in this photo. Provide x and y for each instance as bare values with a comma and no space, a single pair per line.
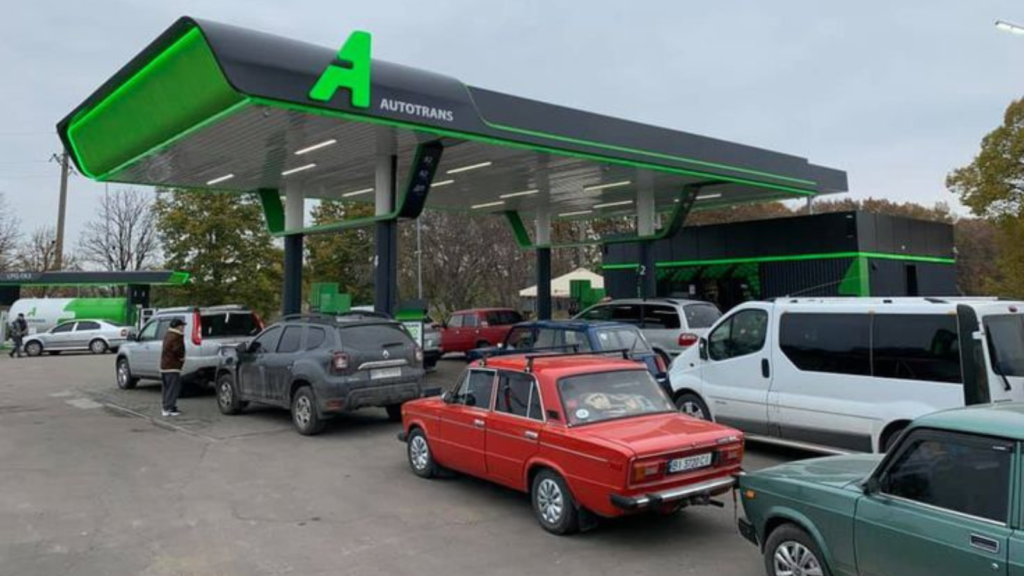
687,339
419,354
731,454
647,471
339,362
197,329
660,363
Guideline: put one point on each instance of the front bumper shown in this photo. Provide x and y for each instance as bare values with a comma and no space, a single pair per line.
694,494
747,531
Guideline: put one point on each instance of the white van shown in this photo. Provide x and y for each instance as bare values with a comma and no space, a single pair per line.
848,374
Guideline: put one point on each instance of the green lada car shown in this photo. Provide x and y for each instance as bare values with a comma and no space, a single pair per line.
945,501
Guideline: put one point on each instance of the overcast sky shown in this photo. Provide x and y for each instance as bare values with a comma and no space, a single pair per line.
896,93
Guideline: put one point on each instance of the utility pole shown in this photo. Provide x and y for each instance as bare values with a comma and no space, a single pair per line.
58,259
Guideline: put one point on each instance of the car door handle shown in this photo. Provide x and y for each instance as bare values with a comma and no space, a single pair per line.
984,543
766,369
530,434
478,423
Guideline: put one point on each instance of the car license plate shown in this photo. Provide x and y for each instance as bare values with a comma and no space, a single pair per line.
689,463
381,373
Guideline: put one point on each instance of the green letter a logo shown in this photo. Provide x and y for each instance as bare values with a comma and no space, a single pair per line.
356,77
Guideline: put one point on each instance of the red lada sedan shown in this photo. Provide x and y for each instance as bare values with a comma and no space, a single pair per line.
585,435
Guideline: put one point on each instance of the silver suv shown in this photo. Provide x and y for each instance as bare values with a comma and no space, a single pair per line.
671,325
206,330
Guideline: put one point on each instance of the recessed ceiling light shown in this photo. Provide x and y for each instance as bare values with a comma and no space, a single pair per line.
442,183
576,213
357,193
708,196
606,186
523,193
487,205
323,144
610,204
299,169
223,178
470,167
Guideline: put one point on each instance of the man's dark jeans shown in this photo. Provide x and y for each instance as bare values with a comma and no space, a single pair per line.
172,387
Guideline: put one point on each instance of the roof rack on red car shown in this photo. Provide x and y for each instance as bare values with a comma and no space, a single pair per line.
575,349
531,357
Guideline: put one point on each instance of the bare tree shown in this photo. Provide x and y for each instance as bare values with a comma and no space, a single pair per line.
123,235
9,236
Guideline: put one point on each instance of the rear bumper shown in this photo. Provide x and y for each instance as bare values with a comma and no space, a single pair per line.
694,494
373,396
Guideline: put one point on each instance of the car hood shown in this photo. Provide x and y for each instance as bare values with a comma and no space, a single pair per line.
835,471
657,433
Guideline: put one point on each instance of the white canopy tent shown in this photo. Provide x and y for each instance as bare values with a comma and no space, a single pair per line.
560,285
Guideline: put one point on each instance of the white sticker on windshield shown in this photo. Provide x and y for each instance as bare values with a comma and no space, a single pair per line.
582,414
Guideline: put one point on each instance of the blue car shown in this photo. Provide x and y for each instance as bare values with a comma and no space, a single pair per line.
576,336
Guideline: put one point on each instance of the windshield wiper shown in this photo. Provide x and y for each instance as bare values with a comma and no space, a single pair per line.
996,364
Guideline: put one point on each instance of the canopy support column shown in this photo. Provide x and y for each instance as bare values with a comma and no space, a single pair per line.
646,227
294,212
543,224
385,260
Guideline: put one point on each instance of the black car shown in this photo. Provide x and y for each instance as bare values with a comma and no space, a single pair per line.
319,366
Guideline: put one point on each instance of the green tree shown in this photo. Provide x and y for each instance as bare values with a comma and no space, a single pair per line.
346,256
222,240
992,186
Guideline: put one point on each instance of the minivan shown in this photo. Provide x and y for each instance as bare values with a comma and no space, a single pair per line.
671,325
849,374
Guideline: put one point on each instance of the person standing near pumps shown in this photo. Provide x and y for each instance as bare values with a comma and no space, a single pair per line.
172,358
19,328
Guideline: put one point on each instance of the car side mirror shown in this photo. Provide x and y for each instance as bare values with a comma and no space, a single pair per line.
703,348
253,347
447,397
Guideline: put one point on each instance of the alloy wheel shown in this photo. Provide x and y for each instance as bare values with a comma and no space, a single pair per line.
550,501
419,453
225,393
122,373
794,559
97,347
303,411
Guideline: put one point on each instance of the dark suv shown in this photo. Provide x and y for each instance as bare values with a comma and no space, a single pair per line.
320,366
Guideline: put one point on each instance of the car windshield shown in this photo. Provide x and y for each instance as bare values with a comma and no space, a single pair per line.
701,315
602,396
1006,343
227,324
622,338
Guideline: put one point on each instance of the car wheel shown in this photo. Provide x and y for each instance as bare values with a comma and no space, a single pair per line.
421,459
692,405
125,380
553,504
664,357
98,346
227,398
305,417
789,550
394,412
33,348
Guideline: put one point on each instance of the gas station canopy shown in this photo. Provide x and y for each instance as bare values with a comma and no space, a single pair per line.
214,106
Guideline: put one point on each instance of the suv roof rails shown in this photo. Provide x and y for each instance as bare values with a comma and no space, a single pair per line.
334,319
531,357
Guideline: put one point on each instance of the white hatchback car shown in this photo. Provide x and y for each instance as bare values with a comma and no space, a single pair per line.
96,336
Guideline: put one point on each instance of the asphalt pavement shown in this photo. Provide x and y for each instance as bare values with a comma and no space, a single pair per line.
94,482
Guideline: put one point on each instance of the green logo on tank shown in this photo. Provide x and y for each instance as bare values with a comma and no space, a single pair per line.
353,73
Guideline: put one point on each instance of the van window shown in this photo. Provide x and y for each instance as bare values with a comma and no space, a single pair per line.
742,334
227,324
1006,343
597,314
661,317
701,315
627,313
916,347
834,343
